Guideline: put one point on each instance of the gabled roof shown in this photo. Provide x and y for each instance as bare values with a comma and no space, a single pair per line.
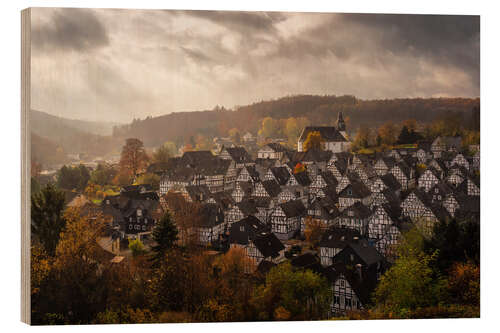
421,195
328,133
293,208
247,207
223,199
366,252
302,178
358,210
362,286
272,188
276,147
244,230
281,174
356,189
252,171
198,192
268,244
210,215
239,154
339,237
309,261
315,155
391,182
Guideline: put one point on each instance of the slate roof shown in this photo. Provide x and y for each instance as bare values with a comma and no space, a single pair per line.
338,237
272,188
363,287
268,244
223,198
276,147
293,208
281,174
315,155
198,192
211,215
391,182
308,260
359,210
365,251
356,189
328,133
302,178
244,230
239,154
247,207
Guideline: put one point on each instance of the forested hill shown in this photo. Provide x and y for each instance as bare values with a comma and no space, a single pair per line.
319,110
52,138
44,123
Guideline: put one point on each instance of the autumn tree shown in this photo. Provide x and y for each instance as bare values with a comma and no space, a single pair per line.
299,167
293,129
292,295
314,229
74,289
235,136
387,133
162,154
411,282
362,139
187,217
133,157
464,283
269,128
47,219
314,141
232,289
70,178
136,246
149,178
103,174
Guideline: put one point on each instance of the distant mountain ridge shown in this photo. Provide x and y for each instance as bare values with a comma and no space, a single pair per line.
43,121
70,137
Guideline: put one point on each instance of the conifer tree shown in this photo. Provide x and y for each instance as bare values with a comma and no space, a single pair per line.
165,235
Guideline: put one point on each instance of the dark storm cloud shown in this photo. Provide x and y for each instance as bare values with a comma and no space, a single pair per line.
445,38
149,62
241,21
71,29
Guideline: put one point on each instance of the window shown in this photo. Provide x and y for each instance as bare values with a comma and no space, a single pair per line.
348,302
139,212
336,300
342,283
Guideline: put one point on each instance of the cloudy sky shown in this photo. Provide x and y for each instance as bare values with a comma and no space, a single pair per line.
115,65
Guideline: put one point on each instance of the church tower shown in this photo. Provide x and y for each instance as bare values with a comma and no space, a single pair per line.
341,125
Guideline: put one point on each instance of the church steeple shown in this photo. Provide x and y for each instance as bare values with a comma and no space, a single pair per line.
340,123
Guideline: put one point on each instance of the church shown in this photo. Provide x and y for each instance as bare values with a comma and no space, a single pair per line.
335,138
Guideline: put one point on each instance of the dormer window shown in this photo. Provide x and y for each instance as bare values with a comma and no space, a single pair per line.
242,228
139,212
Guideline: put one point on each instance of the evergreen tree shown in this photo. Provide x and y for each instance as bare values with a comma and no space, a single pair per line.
165,235
404,136
47,221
